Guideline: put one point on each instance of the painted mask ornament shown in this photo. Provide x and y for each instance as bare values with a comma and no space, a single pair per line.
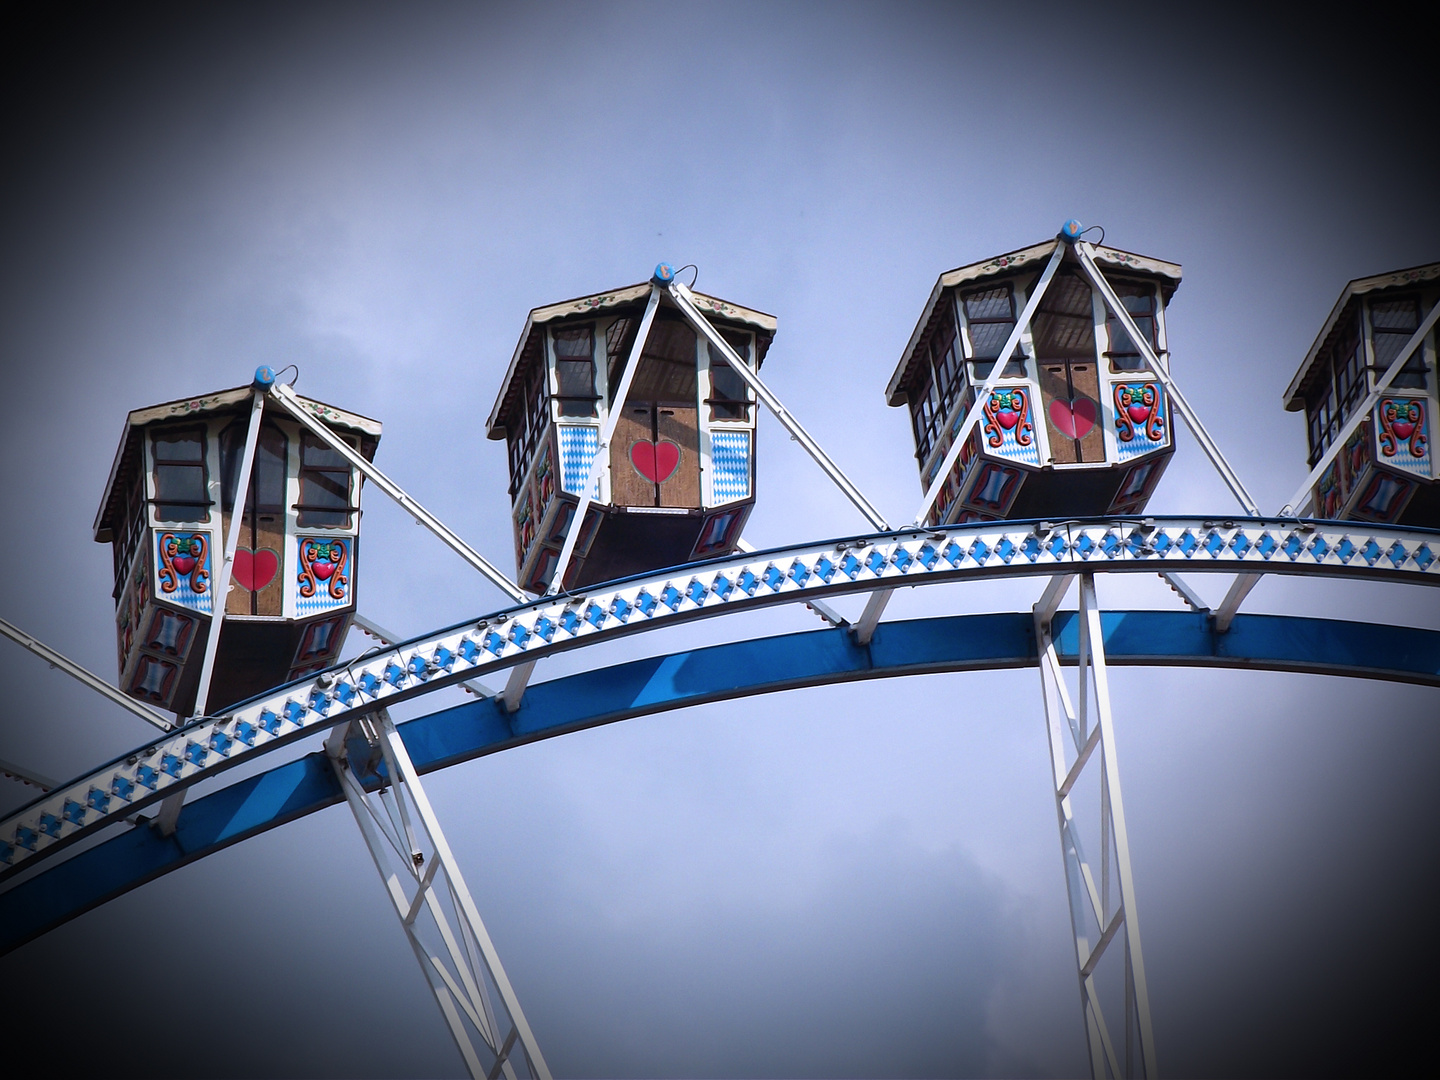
321,563
182,555
1402,423
1137,406
1008,410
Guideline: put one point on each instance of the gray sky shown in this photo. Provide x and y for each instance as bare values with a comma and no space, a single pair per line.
854,881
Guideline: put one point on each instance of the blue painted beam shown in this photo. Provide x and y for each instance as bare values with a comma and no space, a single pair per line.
69,887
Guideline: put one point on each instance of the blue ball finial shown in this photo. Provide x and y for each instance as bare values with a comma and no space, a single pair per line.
264,376
664,274
1071,230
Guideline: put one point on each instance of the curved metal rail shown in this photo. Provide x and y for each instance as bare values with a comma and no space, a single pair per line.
528,632
256,804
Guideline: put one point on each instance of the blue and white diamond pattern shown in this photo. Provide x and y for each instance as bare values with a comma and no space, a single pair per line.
579,443
1011,450
729,466
953,553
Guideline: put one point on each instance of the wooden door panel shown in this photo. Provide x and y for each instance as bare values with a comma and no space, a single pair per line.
1055,387
680,426
237,599
627,486
268,562
1085,398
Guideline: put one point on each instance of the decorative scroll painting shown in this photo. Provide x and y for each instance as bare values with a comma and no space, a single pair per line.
1009,425
325,566
1402,434
183,573
1141,423
729,465
579,443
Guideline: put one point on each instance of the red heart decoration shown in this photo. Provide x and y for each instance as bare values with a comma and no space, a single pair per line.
1403,431
1139,413
1074,418
656,462
322,570
253,570
1007,418
185,563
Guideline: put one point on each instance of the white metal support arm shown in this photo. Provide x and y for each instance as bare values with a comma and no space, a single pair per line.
875,606
27,776
93,681
982,393
685,301
607,432
286,397
169,814
221,590
1086,255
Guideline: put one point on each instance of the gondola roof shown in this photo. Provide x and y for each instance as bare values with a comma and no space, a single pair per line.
630,295
999,265
220,401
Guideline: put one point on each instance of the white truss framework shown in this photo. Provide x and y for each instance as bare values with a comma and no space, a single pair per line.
1100,910
432,901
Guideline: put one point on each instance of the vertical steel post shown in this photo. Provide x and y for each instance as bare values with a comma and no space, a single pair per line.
1099,912
432,901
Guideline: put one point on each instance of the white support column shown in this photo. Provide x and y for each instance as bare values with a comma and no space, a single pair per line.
1183,589
287,399
515,685
1101,894
607,432
432,901
685,301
